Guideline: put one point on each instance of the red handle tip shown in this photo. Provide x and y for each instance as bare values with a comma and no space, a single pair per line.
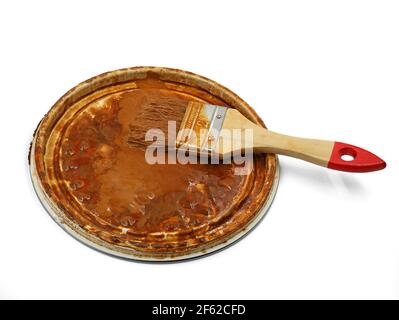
346,157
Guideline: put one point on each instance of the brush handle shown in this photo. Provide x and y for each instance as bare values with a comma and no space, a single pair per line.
325,153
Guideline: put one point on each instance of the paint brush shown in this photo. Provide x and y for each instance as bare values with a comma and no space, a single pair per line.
221,131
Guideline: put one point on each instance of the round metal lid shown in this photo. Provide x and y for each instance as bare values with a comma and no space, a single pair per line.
101,192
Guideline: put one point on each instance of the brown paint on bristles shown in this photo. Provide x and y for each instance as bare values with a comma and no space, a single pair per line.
155,113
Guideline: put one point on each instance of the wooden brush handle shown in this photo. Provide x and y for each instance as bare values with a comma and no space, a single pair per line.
324,153
328,154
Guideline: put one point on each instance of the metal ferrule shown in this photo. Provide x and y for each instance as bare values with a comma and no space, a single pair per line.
201,126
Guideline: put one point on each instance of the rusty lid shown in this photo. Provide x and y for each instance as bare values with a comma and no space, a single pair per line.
102,191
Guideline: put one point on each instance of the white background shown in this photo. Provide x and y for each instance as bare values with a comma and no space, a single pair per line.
323,69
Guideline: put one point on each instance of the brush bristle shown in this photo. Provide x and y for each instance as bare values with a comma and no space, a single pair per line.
154,113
